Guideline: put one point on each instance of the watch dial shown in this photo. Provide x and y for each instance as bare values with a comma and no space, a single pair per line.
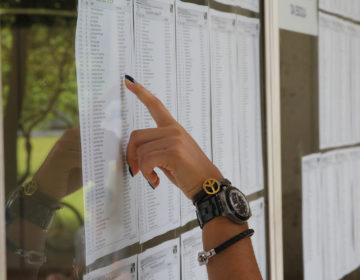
239,203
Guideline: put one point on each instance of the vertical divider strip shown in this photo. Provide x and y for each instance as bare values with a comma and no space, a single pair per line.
2,188
273,130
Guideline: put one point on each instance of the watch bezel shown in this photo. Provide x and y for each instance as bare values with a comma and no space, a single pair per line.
230,207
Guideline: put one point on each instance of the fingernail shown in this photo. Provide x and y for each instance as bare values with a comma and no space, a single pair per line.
129,78
130,171
151,185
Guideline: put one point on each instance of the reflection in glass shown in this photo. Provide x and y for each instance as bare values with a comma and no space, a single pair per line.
42,139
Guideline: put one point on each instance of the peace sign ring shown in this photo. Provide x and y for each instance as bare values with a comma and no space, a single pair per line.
211,186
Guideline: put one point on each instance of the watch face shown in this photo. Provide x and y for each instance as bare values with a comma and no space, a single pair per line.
238,203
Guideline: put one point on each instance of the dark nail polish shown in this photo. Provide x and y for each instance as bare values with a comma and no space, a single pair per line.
151,185
129,78
130,171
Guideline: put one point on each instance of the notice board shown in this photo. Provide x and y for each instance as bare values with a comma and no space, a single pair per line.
205,62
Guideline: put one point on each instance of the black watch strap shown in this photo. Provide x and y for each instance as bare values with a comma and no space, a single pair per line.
37,213
208,209
36,208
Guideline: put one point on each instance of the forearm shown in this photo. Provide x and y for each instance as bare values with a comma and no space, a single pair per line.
170,148
236,262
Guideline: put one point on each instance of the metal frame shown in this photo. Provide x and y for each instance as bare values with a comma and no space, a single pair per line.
273,127
2,189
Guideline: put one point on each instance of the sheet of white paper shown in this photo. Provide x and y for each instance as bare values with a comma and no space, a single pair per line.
248,105
236,102
355,201
125,269
328,211
103,55
159,210
330,192
161,262
191,245
193,76
345,186
312,254
223,86
355,81
338,50
299,16
257,222
324,81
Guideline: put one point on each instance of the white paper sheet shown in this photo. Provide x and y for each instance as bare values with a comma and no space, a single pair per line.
354,31
338,82
328,209
191,245
345,246
257,222
223,85
159,210
103,55
355,218
248,105
312,253
330,192
236,102
161,262
193,80
125,269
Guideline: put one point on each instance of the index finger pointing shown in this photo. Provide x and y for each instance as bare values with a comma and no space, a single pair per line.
158,111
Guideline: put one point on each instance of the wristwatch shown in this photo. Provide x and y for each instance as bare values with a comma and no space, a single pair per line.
26,202
228,201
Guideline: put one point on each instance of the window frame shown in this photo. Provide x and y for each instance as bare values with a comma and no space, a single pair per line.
2,188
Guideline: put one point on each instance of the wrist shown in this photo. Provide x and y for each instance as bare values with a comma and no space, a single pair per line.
42,187
27,203
215,174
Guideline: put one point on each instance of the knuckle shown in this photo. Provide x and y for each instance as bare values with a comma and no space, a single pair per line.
177,130
133,136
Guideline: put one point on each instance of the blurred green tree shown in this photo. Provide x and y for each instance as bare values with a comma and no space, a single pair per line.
39,79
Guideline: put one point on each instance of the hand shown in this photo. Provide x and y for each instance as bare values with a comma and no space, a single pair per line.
60,173
168,147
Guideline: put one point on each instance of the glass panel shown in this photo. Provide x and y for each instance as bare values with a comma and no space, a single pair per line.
203,59
41,131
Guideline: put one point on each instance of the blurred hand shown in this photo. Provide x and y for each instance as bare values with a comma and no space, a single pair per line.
60,173
168,147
